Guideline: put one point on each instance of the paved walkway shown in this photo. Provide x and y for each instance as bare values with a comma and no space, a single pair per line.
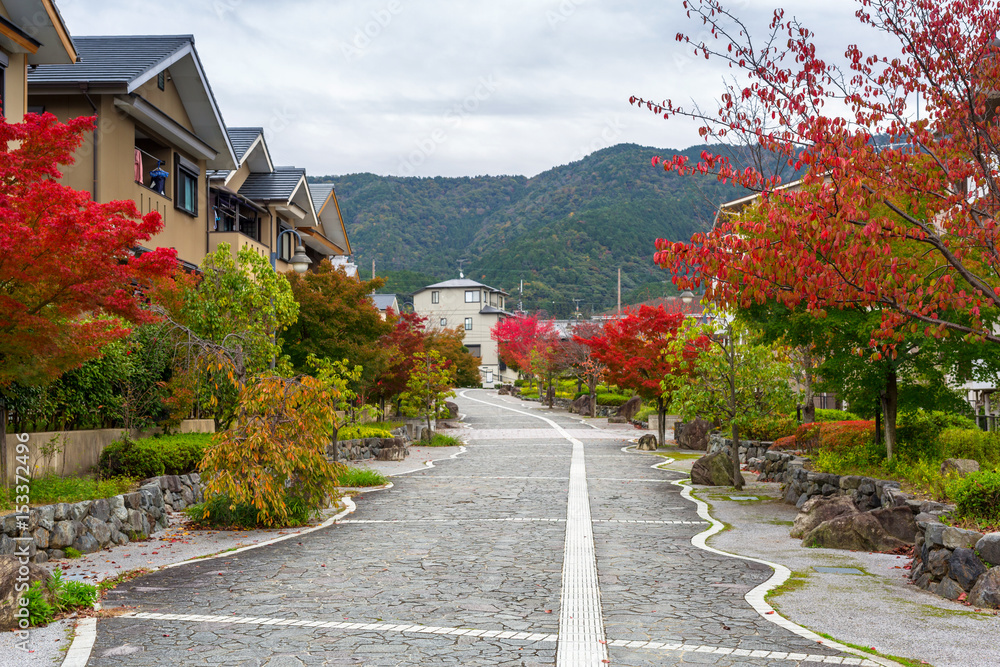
543,544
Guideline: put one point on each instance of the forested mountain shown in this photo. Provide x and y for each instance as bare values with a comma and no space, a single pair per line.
564,232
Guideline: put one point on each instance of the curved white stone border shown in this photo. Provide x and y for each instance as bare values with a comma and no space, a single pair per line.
426,465
755,597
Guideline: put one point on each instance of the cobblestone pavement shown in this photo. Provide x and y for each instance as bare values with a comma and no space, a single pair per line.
492,558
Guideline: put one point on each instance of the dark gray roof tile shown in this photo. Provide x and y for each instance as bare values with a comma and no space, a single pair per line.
276,186
120,59
243,138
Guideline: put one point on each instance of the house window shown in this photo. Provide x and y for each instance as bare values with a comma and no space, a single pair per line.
186,185
435,297
475,350
472,296
468,324
444,321
161,80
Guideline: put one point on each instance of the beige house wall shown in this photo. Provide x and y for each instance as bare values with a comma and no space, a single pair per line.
115,173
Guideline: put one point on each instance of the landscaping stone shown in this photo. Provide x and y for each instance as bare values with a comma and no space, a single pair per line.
986,592
63,535
630,408
965,567
898,522
934,534
958,538
714,469
817,510
939,562
694,435
860,532
988,548
948,588
647,443
86,544
9,568
961,466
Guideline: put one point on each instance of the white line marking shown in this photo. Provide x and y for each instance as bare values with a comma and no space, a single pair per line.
83,643
581,623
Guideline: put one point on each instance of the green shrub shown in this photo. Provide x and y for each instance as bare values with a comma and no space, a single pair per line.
961,443
612,399
72,553
823,415
130,458
918,432
977,496
40,612
769,429
221,512
148,457
645,412
440,440
359,431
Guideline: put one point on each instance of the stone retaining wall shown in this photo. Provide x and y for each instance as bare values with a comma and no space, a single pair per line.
91,525
952,562
396,448
867,493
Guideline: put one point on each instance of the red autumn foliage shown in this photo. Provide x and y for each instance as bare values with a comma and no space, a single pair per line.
525,343
402,343
896,210
829,436
66,262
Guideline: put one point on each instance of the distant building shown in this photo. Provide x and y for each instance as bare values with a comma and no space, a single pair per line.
474,308
384,302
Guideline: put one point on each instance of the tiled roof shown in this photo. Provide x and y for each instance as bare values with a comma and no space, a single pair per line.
320,192
460,282
112,59
243,138
276,186
383,301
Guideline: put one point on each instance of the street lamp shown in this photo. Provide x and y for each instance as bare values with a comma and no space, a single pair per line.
687,297
300,260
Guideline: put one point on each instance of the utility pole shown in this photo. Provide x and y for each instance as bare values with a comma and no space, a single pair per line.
520,298
373,268
619,291
577,302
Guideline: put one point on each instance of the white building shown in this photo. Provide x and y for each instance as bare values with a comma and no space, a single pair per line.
474,308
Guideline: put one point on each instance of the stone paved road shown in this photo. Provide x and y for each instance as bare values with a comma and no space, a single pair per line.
487,559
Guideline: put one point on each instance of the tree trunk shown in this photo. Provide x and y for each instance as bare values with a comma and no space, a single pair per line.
737,477
661,421
809,409
592,386
550,393
889,404
336,447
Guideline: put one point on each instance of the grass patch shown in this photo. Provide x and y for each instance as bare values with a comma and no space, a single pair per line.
71,552
796,580
440,440
780,522
221,512
871,651
361,477
52,489
121,578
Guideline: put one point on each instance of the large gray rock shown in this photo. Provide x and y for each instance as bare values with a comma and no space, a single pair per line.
818,509
647,443
989,548
118,510
9,604
694,435
960,466
857,532
715,469
101,509
939,562
98,529
966,568
63,535
948,588
86,544
581,405
986,592
630,408
934,534
959,538
898,522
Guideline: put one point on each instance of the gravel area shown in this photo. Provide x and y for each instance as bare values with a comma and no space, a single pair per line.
877,608
46,646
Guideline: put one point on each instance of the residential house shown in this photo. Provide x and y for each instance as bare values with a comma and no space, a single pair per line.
32,33
159,130
385,302
474,308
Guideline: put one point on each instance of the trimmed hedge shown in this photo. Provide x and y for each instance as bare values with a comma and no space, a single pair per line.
151,457
612,399
770,429
360,431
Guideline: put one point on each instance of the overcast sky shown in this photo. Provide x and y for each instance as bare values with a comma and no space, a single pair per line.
446,87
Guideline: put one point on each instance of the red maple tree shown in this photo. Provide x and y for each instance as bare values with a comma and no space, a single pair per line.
69,277
401,344
896,209
526,344
632,346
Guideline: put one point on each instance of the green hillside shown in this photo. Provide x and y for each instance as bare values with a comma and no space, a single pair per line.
564,232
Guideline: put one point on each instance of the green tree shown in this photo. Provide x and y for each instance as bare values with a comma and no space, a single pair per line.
337,320
736,379
429,386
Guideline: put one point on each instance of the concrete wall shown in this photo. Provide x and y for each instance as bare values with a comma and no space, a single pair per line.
78,451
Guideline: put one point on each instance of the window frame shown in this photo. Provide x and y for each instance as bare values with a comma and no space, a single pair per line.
435,297
444,321
472,292
4,63
468,324
184,169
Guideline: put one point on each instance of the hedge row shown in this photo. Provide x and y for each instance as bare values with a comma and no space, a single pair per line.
150,457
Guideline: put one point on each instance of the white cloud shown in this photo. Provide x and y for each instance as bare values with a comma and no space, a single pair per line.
366,85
